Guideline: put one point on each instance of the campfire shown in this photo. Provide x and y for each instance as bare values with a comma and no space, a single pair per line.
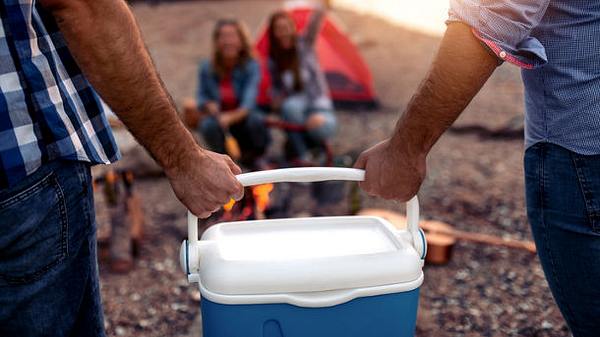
261,194
254,206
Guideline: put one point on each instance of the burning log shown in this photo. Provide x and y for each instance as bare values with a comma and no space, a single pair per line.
135,214
261,194
120,240
255,204
122,233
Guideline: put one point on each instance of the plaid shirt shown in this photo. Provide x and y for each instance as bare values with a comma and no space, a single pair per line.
48,110
557,44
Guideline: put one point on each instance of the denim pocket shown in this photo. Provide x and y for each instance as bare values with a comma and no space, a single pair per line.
588,174
33,231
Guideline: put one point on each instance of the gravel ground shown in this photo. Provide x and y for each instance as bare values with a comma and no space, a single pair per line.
474,184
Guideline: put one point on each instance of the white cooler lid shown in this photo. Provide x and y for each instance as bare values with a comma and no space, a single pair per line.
303,255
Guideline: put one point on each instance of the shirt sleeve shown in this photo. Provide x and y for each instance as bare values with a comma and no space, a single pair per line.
505,27
202,95
314,26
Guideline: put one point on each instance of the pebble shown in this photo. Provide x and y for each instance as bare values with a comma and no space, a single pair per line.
196,295
179,307
547,325
475,312
120,331
462,275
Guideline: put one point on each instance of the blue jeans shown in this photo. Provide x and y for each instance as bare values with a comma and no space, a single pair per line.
48,270
251,134
563,206
296,109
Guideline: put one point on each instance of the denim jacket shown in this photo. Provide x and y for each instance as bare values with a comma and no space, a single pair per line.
245,78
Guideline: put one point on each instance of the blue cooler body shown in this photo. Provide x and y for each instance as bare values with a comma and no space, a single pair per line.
348,276
392,315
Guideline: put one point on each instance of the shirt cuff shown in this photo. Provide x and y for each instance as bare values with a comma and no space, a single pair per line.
529,55
514,45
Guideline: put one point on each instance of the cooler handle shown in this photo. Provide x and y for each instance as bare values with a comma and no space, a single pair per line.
313,174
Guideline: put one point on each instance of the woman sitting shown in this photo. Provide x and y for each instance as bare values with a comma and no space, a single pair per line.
226,97
299,90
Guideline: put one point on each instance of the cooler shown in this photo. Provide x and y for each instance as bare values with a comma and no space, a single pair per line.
348,276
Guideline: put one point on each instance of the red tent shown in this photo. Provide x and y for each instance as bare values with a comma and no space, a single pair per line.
348,77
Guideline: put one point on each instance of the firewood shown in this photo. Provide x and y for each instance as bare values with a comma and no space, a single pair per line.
120,238
443,228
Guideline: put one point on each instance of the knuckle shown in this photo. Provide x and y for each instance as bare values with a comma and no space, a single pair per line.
196,210
223,198
232,194
235,188
361,159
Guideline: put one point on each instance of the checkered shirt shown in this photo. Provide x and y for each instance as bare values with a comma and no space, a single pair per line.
48,110
557,45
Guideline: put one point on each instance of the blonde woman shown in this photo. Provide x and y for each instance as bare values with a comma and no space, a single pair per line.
226,96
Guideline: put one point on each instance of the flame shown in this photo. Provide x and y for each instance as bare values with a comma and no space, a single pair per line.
261,196
261,200
228,206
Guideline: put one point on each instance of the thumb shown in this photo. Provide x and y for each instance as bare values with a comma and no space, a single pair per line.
233,166
240,192
361,162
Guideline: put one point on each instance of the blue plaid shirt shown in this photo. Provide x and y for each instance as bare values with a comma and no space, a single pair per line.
557,43
48,110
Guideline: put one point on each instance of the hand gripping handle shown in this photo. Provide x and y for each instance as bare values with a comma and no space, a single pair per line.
310,174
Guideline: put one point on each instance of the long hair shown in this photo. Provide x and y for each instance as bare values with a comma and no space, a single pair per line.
246,53
284,59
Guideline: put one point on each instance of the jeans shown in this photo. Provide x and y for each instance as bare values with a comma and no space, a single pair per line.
48,269
251,134
296,109
563,206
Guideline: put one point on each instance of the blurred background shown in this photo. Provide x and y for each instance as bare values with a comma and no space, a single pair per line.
482,284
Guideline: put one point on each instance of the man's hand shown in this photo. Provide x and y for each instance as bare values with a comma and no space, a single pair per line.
112,55
231,117
390,172
395,168
212,108
204,181
225,120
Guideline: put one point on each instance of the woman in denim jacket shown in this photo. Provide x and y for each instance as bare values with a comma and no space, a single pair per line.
226,96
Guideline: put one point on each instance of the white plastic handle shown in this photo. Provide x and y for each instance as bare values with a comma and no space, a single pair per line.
311,174
300,175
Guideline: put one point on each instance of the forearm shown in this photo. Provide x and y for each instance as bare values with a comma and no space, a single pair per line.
105,41
314,25
237,115
458,72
